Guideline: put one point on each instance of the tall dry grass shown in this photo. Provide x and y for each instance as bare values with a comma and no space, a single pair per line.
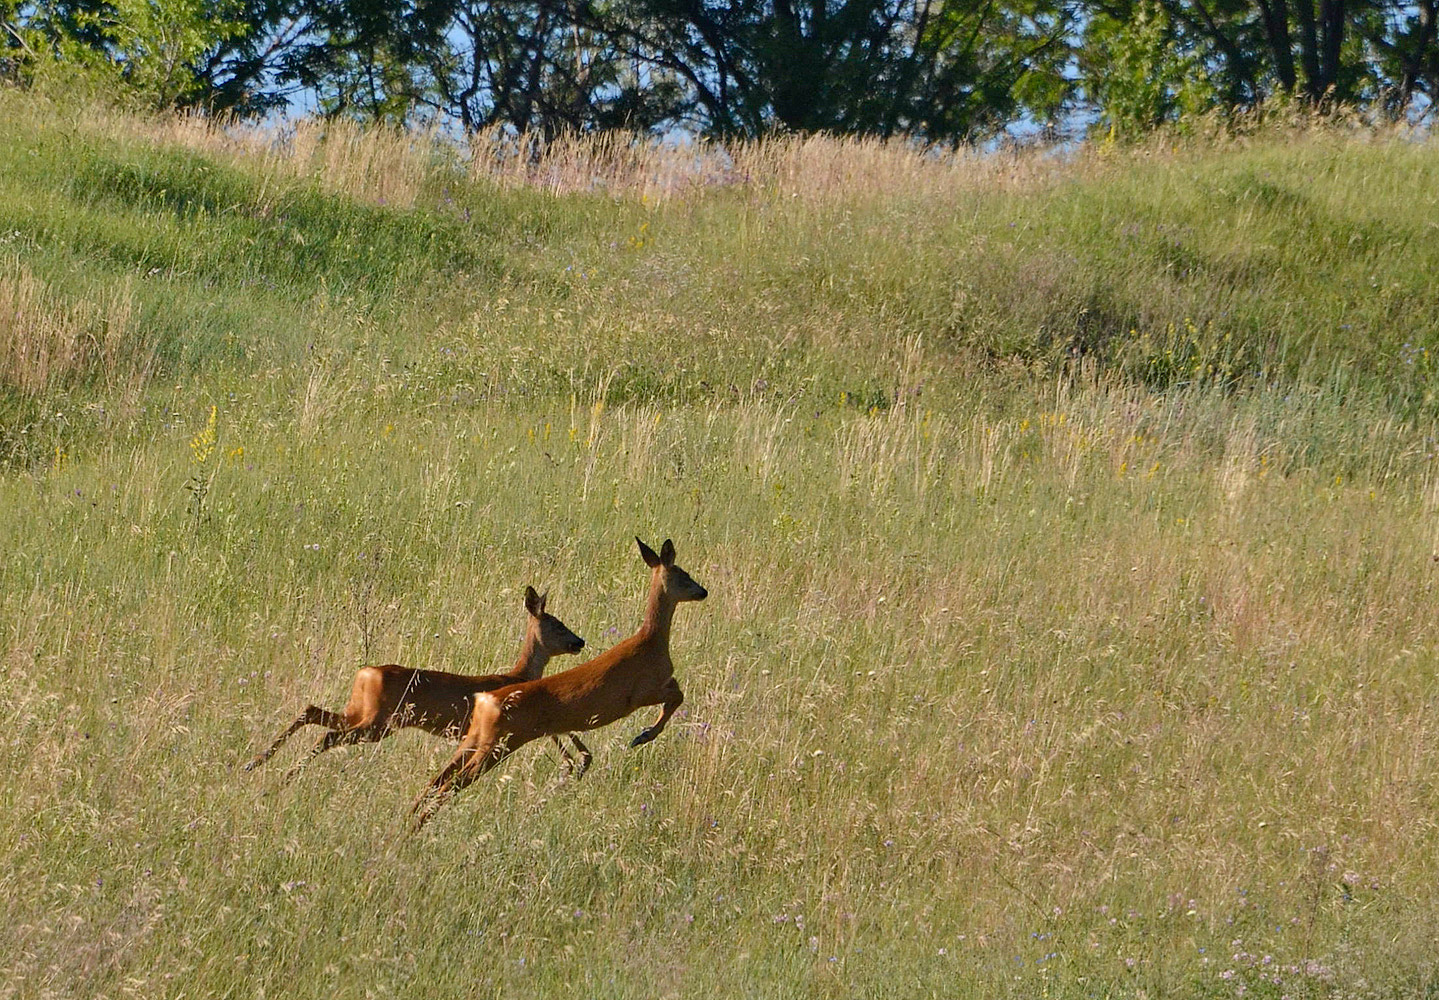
815,168
48,340
392,166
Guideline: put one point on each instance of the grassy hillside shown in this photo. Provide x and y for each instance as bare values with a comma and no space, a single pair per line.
1068,523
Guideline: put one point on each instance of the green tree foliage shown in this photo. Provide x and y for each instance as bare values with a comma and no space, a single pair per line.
945,71
942,70
1140,74
359,58
142,52
1377,53
1406,51
544,67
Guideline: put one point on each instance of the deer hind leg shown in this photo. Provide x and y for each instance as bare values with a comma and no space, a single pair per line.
670,697
585,755
480,750
339,737
313,715
467,765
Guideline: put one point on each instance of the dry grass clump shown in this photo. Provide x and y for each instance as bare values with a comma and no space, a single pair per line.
814,168
374,165
386,166
47,341
825,168
620,164
391,166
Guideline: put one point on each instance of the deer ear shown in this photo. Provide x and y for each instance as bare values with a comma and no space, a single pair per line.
667,553
647,554
534,603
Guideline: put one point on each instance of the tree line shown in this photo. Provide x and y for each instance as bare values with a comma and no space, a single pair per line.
945,71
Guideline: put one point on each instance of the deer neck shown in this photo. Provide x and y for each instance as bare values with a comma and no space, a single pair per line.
659,612
533,659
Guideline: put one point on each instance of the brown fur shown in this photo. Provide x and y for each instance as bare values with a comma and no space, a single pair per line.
636,672
387,698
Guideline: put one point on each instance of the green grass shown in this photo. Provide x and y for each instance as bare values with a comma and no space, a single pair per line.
1042,658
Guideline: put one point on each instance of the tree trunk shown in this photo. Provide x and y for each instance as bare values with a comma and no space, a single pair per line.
1309,49
1281,48
1331,35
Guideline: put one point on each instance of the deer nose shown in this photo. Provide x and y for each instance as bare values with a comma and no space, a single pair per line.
579,643
703,594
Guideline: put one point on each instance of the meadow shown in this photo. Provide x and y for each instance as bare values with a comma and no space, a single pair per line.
1069,524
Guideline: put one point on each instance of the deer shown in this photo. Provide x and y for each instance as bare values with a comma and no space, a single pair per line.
635,673
388,698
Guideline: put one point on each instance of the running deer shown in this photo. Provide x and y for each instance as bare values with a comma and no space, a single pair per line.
636,672
384,699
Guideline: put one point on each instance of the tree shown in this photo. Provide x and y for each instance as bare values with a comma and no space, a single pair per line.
357,58
542,66
1319,52
946,71
943,70
1139,73
140,51
1404,37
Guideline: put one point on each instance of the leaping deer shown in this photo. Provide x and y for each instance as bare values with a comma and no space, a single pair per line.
384,699
636,672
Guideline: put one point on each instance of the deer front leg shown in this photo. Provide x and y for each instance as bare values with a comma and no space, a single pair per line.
670,697
585,756
569,759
